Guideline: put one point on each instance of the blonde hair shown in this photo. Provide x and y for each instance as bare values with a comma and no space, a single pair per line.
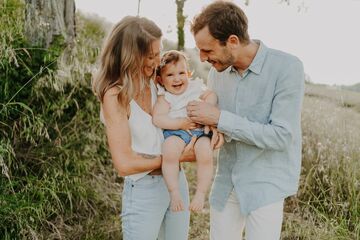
122,57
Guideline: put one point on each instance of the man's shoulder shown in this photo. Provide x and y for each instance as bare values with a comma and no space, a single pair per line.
282,57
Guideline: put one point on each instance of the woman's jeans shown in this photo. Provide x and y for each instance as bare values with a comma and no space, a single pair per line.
146,213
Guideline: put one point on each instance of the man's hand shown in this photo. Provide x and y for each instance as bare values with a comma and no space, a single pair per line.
203,113
217,139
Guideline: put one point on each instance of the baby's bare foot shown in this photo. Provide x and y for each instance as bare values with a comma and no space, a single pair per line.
197,204
176,203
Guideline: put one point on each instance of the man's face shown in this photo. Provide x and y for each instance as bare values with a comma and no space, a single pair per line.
212,51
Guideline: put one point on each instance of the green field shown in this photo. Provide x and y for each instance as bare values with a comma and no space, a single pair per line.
57,179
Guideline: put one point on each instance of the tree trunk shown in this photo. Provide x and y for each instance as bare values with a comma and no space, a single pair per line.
180,23
47,19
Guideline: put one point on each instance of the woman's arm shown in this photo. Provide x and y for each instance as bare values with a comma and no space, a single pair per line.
162,120
125,160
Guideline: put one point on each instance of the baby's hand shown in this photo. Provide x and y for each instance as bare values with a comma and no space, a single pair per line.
187,124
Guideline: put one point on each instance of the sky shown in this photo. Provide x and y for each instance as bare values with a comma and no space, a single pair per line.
324,34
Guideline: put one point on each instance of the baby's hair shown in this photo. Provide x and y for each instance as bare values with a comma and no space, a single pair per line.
171,56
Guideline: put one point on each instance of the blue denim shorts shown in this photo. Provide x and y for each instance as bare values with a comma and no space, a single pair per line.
185,136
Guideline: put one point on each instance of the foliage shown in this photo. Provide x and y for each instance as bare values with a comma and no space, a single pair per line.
52,148
180,23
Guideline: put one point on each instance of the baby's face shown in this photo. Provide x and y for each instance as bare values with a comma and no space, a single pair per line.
174,77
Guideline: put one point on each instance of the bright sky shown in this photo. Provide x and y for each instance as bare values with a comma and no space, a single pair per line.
324,34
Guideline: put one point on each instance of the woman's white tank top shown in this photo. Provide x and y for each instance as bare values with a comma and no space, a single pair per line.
145,137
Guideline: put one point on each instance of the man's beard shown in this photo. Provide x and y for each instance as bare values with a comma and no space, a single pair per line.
227,62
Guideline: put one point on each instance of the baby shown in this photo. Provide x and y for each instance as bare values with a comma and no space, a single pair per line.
169,113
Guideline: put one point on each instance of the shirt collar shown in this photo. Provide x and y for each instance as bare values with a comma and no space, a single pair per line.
258,62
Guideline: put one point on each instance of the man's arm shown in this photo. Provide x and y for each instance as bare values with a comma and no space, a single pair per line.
284,119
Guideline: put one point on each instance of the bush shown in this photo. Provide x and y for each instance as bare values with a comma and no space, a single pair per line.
52,146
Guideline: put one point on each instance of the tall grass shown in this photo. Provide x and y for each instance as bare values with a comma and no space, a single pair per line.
56,179
327,205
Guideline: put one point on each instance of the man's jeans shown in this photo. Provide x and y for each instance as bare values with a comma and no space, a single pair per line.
262,224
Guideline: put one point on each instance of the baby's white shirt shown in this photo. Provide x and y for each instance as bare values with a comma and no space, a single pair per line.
178,103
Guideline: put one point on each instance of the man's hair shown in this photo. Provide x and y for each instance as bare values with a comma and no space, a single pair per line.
223,19
171,56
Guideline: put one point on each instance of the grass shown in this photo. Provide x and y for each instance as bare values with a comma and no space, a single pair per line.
342,97
327,202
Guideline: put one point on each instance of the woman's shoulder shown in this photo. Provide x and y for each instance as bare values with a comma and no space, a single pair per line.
112,92
111,102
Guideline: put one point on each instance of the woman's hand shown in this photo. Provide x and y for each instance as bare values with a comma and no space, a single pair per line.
217,139
188,154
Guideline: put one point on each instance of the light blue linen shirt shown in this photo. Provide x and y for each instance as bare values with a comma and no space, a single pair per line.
260,118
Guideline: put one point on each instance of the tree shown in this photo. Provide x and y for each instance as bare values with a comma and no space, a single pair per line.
47,19
138,10
180,23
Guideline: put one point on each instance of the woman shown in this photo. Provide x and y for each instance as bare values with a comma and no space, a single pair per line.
125,88
127,93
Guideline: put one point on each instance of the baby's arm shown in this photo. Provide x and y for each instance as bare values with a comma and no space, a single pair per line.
209,97
162,120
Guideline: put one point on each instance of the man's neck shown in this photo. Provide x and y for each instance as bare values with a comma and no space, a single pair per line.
246,55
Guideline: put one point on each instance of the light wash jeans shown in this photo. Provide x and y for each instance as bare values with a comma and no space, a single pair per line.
146,213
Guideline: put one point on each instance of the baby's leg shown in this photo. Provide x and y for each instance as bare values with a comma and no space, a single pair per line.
204,156
172,149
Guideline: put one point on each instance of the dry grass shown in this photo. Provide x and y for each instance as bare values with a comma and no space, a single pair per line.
342,97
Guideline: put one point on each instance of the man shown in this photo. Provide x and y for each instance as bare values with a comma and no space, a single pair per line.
260,93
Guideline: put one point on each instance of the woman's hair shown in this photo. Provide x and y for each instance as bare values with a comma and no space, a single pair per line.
223,19
122,57
171,56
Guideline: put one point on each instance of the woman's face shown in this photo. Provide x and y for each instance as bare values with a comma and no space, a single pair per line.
153,59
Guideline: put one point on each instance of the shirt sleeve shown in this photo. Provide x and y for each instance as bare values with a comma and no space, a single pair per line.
284,120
